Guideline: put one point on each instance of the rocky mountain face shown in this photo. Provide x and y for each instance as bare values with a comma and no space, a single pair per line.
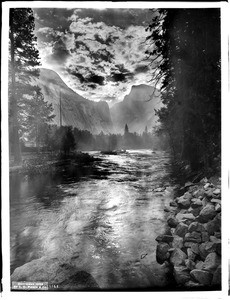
135,110
75,110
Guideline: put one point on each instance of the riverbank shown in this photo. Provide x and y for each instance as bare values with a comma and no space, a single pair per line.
38,163
191,245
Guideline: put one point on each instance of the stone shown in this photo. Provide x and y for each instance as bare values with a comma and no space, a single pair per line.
184,203
159,189
177,257
206,186
181,229
199,193
202,276
196,211
196,203
216,192
218,207
214,239
187,196
194,237
181,274
164,238
162,253
209,194
216,280
66,276
177,242
206,248
199,265
191,254
194,247
195,226
204,236
184,217
216,201
172,221
214,225
212,261
207,213
189,264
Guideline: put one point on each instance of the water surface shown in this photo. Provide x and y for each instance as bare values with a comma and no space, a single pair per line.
103,219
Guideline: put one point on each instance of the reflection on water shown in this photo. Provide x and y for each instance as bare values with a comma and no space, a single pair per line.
105,225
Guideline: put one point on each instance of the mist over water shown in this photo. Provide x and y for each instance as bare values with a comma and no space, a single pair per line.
103,221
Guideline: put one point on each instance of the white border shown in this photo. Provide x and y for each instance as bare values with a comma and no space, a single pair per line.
225,16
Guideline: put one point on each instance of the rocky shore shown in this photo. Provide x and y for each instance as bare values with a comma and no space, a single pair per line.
191,244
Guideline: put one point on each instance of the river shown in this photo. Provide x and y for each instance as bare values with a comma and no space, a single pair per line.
104,219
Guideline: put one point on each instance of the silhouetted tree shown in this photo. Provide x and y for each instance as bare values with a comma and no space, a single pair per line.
24,58
186,50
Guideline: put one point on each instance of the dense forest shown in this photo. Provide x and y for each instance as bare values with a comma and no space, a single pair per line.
186,55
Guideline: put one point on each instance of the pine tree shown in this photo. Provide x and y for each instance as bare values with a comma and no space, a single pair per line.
186,49
39,115
24,58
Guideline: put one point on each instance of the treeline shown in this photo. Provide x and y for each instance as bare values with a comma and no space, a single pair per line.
186,58
29,113
66,139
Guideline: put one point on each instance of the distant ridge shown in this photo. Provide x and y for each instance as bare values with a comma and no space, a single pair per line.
76,110
135,109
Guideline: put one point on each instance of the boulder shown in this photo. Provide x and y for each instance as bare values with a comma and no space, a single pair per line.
202,276
189,264
207,213
206,248
162,252
177,242
199,265
195,226
172,221
194,237
177,257
191,254
164,238
184,203
207,185
198,193
196,202
216,192
204,236
187,196
185,217
214,225
212,261
218,207
216,201
66,276
208,193
181,229
181,274
216,280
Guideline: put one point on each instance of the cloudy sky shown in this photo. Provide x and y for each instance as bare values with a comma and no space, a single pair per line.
99,53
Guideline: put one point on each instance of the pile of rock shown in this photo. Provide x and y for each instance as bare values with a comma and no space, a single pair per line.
192,242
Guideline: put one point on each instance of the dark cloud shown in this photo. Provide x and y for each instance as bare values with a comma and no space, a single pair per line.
101,55
120,74
92,80
59,53
96,79
141,69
